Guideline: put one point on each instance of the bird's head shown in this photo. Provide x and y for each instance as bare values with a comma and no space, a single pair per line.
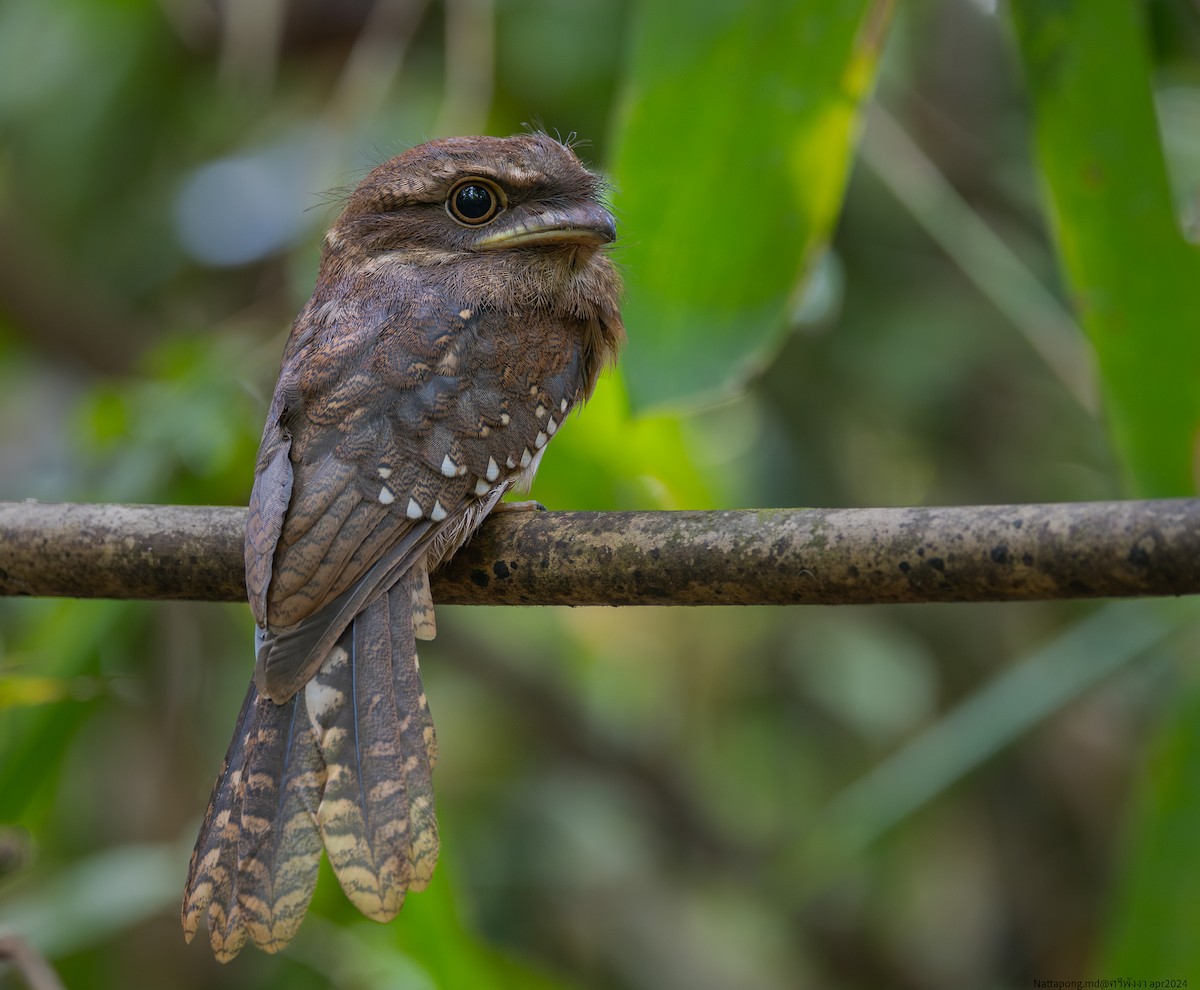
511,222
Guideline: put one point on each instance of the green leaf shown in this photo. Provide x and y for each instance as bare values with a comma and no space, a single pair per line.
1134,279
1153,928
734,146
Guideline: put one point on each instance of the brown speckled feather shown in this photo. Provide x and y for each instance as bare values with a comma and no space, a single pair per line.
279,844
440,353
212,874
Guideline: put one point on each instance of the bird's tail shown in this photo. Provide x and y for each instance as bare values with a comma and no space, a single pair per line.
346,764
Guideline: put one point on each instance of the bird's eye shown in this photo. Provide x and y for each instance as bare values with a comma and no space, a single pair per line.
475,202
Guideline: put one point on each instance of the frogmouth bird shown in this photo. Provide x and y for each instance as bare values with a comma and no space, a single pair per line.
465,305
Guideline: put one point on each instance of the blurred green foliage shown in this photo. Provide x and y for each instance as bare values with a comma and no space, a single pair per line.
759,169
639,798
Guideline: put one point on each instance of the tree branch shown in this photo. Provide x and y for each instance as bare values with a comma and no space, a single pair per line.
744,557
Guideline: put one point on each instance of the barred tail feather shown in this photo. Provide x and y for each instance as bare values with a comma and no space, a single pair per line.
418,741
346,764
212,873
279,845
255,863
376,814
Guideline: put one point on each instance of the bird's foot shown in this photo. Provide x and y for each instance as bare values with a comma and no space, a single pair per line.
525,506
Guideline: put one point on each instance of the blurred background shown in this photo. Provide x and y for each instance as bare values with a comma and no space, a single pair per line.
828,305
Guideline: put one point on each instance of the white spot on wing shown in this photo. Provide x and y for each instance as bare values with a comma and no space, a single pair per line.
482,487
540,411
510,462
551,426
438,513
505,419
385,496
464,314
562,406
493,469
526,457
540,440
385,472
449,468
414,509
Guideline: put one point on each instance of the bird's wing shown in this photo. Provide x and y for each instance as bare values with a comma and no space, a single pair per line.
390,432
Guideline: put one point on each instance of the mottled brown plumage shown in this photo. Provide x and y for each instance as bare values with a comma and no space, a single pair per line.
464,307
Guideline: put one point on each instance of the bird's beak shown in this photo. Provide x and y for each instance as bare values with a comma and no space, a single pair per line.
581,224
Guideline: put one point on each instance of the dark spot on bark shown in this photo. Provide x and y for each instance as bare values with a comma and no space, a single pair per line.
1138,556
1027,559
1000,554
500,569
1018,523
655,553
937,563
480,578
904,566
